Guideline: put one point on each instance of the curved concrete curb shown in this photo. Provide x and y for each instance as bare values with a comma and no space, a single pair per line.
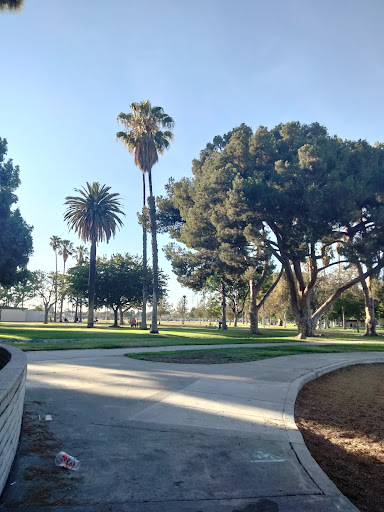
296,439
12,389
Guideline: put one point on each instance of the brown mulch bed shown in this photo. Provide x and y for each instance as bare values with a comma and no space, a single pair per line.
341,417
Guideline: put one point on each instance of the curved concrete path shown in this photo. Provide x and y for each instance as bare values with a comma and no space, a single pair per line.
158,437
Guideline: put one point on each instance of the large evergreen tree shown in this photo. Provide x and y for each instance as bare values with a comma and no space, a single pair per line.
15,234
193,212
312,194
294,192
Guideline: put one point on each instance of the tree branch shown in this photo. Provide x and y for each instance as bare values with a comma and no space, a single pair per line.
270,290
345,287
331,264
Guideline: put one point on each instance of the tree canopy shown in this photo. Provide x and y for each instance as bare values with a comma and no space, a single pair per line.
119,281
11,5
294,192
15,233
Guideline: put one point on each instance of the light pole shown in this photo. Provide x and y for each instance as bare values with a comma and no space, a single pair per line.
183,319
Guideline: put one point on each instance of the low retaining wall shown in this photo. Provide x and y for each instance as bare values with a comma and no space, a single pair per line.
21,315
13,370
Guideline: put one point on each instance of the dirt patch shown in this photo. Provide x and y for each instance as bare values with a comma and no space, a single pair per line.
341,417
38,482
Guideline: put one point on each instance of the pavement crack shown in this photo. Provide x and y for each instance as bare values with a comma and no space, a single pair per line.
305,469
227,498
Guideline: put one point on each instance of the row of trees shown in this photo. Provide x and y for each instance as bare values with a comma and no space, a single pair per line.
118,286
65,248
290,200
95,214
346,310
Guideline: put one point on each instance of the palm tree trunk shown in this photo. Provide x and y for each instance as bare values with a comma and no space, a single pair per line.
144,312
62,299
61,307
155,280
55,313
92,284
155,277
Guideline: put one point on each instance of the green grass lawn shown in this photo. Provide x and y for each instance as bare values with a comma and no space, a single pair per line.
38,336
243,355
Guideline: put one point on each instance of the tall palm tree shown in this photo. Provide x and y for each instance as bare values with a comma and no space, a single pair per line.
81,253
94,216
144,138
55,243
65,250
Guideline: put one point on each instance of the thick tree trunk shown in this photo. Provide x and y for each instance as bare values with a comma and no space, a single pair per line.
92,284
145,286
254,327
155,281
343,318
115,311
305,327
46,311
121,313
81,310
235,320
370,321
223,306
76,310
304,320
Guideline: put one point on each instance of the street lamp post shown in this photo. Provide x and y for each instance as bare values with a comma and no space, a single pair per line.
184,300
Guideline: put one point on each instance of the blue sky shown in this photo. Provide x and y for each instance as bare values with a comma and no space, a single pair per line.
69,67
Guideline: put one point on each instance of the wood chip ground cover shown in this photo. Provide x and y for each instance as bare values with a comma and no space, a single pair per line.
341,417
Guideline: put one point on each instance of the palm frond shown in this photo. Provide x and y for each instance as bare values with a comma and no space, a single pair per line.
94,215
142,134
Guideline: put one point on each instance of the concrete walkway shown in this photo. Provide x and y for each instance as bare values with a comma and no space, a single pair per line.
158,437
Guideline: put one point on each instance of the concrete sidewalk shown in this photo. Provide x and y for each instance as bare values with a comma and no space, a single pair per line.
158,437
